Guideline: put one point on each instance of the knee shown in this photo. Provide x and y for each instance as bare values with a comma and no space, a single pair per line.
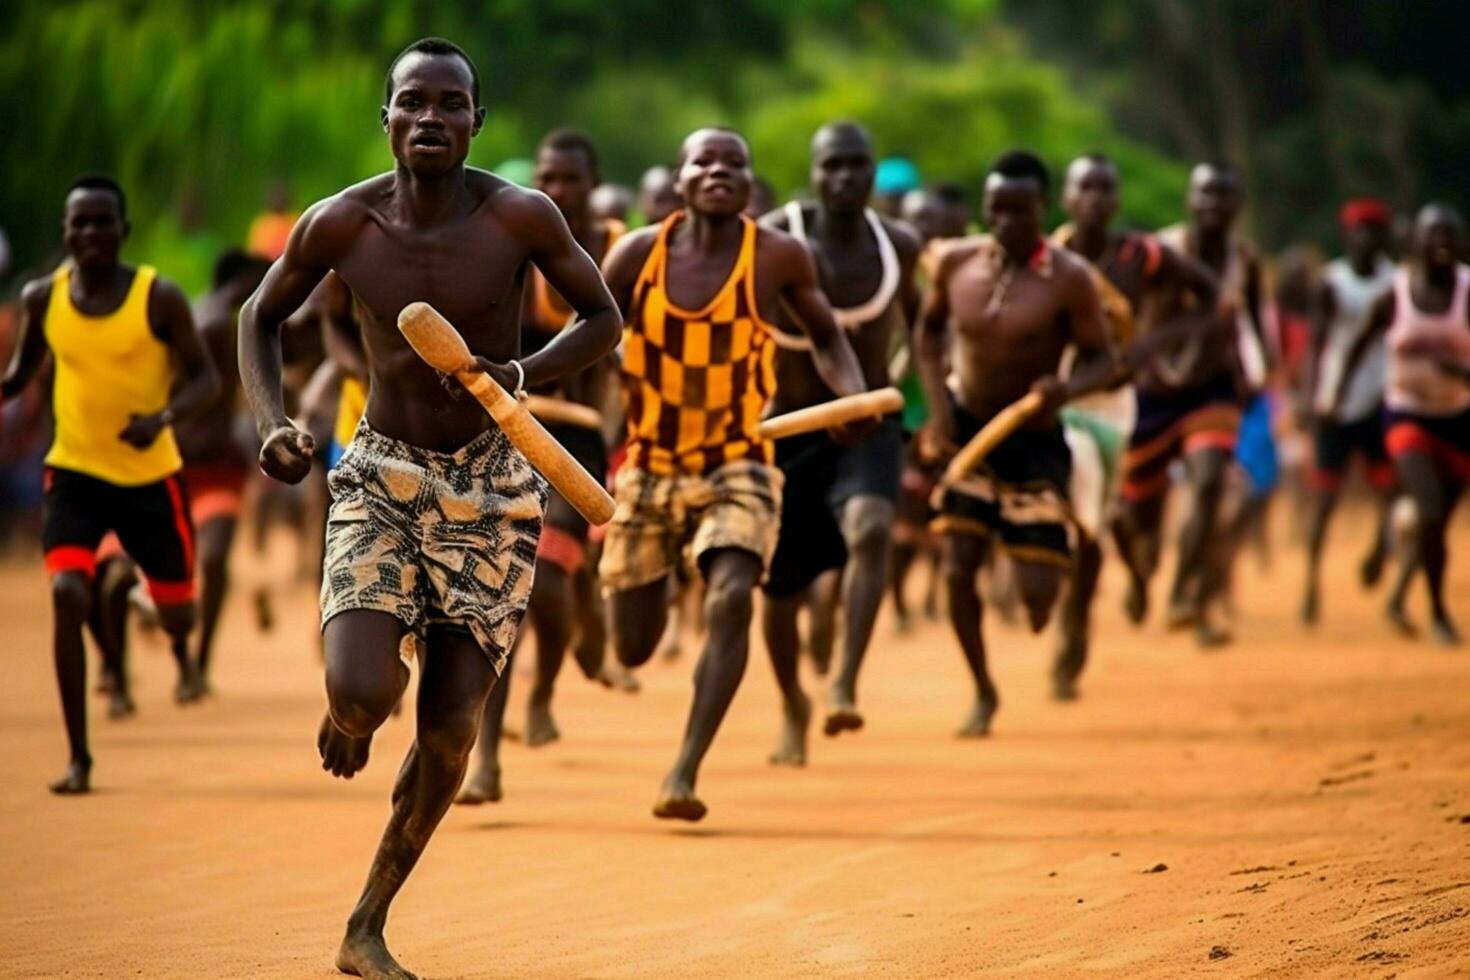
868,529
215,564
359,704
177,619
71,596
728,604
452,734
1040,588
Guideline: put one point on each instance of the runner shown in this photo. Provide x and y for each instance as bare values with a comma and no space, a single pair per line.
566,597
1188,407
698,293
1131,270
114,332
435,516
612,201
1424,320
1013,304
216,466
1349,286
838,502
658,195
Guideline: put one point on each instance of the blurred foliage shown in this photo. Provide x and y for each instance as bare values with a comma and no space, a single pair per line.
199,108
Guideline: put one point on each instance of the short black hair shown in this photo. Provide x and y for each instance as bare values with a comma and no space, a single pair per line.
566,140
234,262
1022,165
1222,167
434,45
950,192
102,182
726,130
1099,158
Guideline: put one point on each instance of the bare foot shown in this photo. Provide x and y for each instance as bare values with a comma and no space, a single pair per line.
342,754
483,786
791,750
1309,606
120,705
1371,570
367,956
1444,632
265,616
1182,615
1210,636
978,725
619,678
540,727
1135,604
676,801
76,780
191,688
842,714
1063,687
1400,621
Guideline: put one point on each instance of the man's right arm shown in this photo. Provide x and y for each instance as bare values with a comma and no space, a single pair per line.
30,346
1379,316
315,242
931,345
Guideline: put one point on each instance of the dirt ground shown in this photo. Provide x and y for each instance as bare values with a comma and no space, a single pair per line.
1298,805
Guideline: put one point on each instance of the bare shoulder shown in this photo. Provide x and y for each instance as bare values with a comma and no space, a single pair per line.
956,254
167,292
778,245
327,228
35,295
906,240
632,247
1070,270
524,210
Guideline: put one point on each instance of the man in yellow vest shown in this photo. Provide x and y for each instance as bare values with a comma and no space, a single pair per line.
115,331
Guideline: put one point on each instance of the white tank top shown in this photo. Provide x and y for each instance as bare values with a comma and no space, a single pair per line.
1352,295
1417,342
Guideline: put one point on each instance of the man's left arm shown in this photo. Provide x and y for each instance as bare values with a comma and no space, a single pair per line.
198,384
801,290
1097,365
572,273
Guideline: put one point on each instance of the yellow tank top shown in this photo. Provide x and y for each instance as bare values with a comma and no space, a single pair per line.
108,369
351,403
696,381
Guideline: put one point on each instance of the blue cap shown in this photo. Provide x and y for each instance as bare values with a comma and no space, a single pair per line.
896,175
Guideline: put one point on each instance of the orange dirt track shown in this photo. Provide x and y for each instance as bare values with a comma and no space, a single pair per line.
1303,800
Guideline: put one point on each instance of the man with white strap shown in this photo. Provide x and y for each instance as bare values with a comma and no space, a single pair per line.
839,503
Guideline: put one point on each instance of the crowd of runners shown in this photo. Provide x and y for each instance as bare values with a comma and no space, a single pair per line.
1171,363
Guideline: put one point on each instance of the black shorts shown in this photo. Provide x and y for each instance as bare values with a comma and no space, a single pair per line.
151,523
1335,444
1018,496
821,477
564,533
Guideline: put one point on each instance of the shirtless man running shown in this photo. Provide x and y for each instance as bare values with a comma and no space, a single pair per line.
698,295
115,333
216,466
434,516
1134,270
839,501
566,596
1013,304
1188,405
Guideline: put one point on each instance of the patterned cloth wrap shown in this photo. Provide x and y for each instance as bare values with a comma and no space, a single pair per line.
431,537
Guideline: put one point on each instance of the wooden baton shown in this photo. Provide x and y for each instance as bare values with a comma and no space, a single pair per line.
869,404
995,432
435,340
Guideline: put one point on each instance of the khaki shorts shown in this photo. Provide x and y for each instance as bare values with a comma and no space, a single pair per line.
433,538
661,519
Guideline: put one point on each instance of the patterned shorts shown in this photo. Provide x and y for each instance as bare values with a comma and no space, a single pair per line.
432,537
661,519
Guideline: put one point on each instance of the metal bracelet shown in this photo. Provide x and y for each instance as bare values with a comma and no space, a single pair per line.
520,390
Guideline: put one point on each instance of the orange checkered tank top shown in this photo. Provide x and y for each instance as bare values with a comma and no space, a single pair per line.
696,381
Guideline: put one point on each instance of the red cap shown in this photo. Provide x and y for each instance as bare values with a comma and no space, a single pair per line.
1363,211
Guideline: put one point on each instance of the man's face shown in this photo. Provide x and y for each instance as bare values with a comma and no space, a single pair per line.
1214,198
925,212
1013,207
1365,241
715,176
566,177
93,228
658,197
432,116
1437,239
842,171
1091,195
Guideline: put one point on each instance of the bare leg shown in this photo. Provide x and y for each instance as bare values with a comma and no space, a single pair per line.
109,619
904,553
778,622
731,574
1371,569
1137,533
177,620
821,609
456,678
483,784
1404,517
365,678
551,614
1206,483
1074,631
963,555
1323,504
215,539
638,616
71,597
867,525
1435,496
